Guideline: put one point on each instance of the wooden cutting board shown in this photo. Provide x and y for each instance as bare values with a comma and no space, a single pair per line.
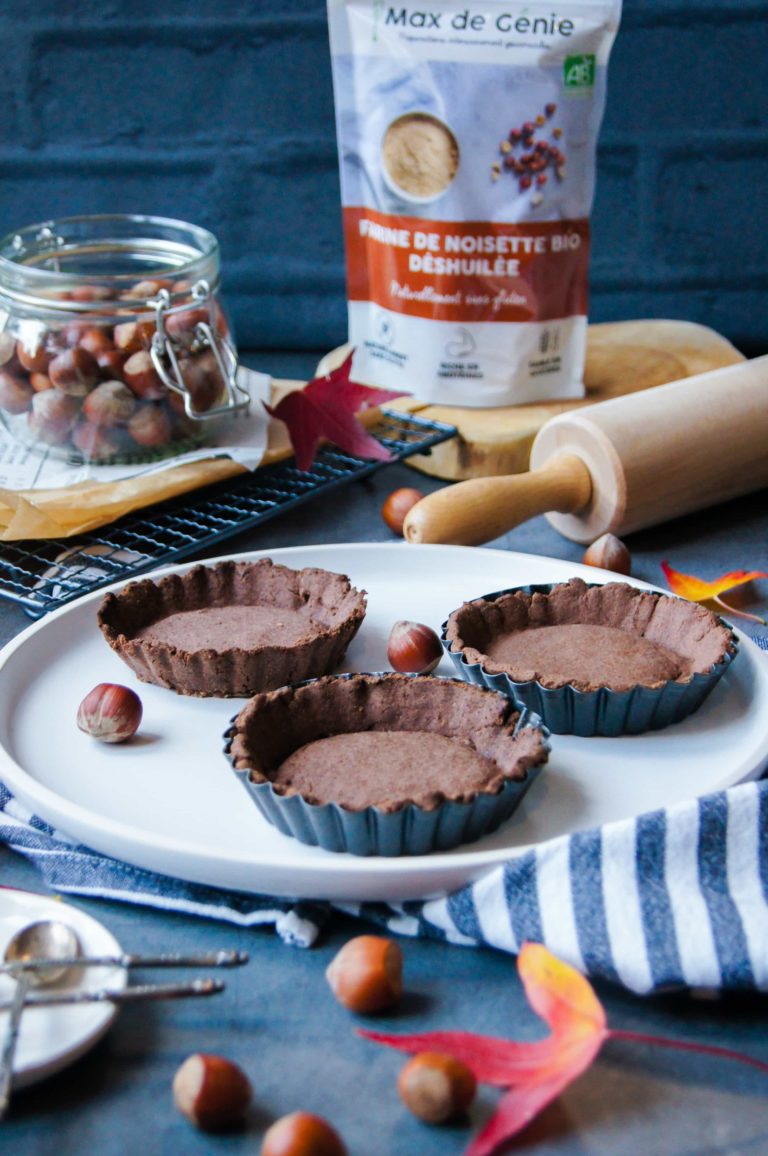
622,357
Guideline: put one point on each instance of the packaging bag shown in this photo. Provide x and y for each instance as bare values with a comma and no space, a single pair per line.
467,138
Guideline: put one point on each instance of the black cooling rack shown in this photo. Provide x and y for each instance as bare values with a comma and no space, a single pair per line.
45,574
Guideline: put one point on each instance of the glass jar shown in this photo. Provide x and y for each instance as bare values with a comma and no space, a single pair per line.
114,344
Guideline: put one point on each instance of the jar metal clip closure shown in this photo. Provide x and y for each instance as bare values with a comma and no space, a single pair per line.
164,352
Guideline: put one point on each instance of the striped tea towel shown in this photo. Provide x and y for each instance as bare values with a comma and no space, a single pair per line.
677,897
77,870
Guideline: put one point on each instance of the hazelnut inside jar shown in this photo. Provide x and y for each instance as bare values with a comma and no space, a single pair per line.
116,346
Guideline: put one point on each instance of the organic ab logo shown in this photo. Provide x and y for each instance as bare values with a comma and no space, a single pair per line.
579,71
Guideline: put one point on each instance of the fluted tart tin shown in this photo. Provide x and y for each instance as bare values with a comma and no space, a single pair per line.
605,701
233,628
492,752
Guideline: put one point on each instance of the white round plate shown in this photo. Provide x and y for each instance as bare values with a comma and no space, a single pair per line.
52,1038
168,800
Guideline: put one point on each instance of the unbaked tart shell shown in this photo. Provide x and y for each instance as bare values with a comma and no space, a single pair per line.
620,660
385,764
234,628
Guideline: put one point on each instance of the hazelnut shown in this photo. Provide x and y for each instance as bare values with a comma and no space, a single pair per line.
133,336
40,382
52,416
15,394
367,974
435,1087
413,648
95,340
397,506
302,1134
181,326
142,377
74,371
34,360
90,293
70,335
144,289
211,1091
110,403
222,325
150,426
110,713
203,381
111,362
609,553
95,442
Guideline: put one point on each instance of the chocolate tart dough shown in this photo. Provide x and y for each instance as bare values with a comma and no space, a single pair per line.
587,637
384,741
233,629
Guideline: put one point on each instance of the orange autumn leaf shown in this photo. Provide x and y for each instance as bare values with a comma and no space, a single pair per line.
687,586
559,993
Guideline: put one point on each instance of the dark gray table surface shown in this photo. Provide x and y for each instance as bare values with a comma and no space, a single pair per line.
278,1019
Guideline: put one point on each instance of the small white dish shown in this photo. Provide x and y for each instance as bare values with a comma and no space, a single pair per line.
52,1038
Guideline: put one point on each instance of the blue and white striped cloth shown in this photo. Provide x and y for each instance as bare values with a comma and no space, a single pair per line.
674,898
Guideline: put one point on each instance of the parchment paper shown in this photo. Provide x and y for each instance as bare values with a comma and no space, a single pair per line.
42,496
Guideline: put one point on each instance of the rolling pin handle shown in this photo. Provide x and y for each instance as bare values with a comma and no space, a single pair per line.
476,511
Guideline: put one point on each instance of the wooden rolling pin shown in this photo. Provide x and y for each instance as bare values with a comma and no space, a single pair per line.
620,465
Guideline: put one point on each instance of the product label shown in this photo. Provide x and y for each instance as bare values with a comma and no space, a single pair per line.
467,137
467,270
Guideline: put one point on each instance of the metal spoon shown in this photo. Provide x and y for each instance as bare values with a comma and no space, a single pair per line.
222,958
46,939
135,994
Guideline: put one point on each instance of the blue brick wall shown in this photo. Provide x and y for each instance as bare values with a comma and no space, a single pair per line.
683,169
221,113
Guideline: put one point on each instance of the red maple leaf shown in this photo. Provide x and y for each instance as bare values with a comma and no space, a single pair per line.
325,410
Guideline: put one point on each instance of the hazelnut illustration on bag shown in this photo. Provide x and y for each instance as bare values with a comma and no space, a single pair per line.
467,138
